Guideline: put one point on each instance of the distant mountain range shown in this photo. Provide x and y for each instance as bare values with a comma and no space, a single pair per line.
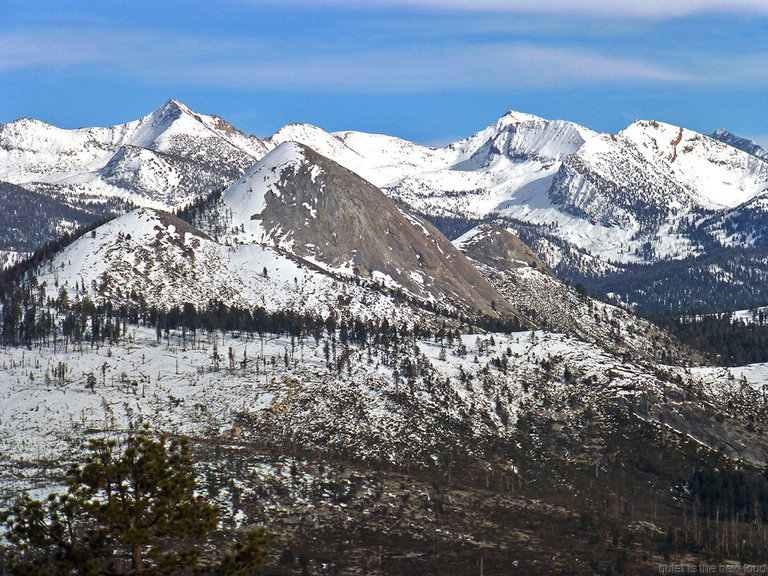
298,232
648,216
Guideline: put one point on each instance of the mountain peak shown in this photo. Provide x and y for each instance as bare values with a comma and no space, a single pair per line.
315,208
307,134
249,196
25,122
515,117
171,111
520,137
743,144
648,126
172,105
284,154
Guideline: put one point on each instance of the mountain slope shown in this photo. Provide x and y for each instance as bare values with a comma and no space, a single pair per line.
477,445
549,304
30,218
745,144
153,258
318,210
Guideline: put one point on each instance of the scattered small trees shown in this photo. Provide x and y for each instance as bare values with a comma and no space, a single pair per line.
131,508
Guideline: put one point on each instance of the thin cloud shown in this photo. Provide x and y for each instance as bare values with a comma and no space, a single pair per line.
48,47
646,9
246,63
498,66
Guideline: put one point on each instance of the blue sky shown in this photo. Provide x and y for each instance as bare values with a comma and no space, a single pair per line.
432,71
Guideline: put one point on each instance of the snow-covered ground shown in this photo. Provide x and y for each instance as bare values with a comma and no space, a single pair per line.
53,398
752,316
10,257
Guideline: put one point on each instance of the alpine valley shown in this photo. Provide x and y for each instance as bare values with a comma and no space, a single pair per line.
371,346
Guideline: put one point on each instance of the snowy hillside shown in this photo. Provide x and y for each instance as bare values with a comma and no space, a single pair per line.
438,440
183,390
547,302
155,258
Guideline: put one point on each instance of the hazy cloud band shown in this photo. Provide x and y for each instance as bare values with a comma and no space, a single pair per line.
246,63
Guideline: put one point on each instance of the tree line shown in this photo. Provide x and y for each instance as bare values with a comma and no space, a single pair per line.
29,317
728,341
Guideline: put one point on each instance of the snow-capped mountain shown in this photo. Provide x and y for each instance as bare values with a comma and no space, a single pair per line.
745,144
651,173
147,156
316,209
163,160
155,258
609,195
472,177
300,233
621,198
592,206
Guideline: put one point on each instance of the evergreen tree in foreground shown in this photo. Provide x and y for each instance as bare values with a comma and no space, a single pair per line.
129,509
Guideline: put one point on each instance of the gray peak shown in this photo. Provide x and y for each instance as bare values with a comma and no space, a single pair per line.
744,144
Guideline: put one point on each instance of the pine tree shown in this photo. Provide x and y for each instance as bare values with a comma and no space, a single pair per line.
131,508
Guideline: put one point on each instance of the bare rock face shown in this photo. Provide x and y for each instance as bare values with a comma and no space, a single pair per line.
323,212
498,248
